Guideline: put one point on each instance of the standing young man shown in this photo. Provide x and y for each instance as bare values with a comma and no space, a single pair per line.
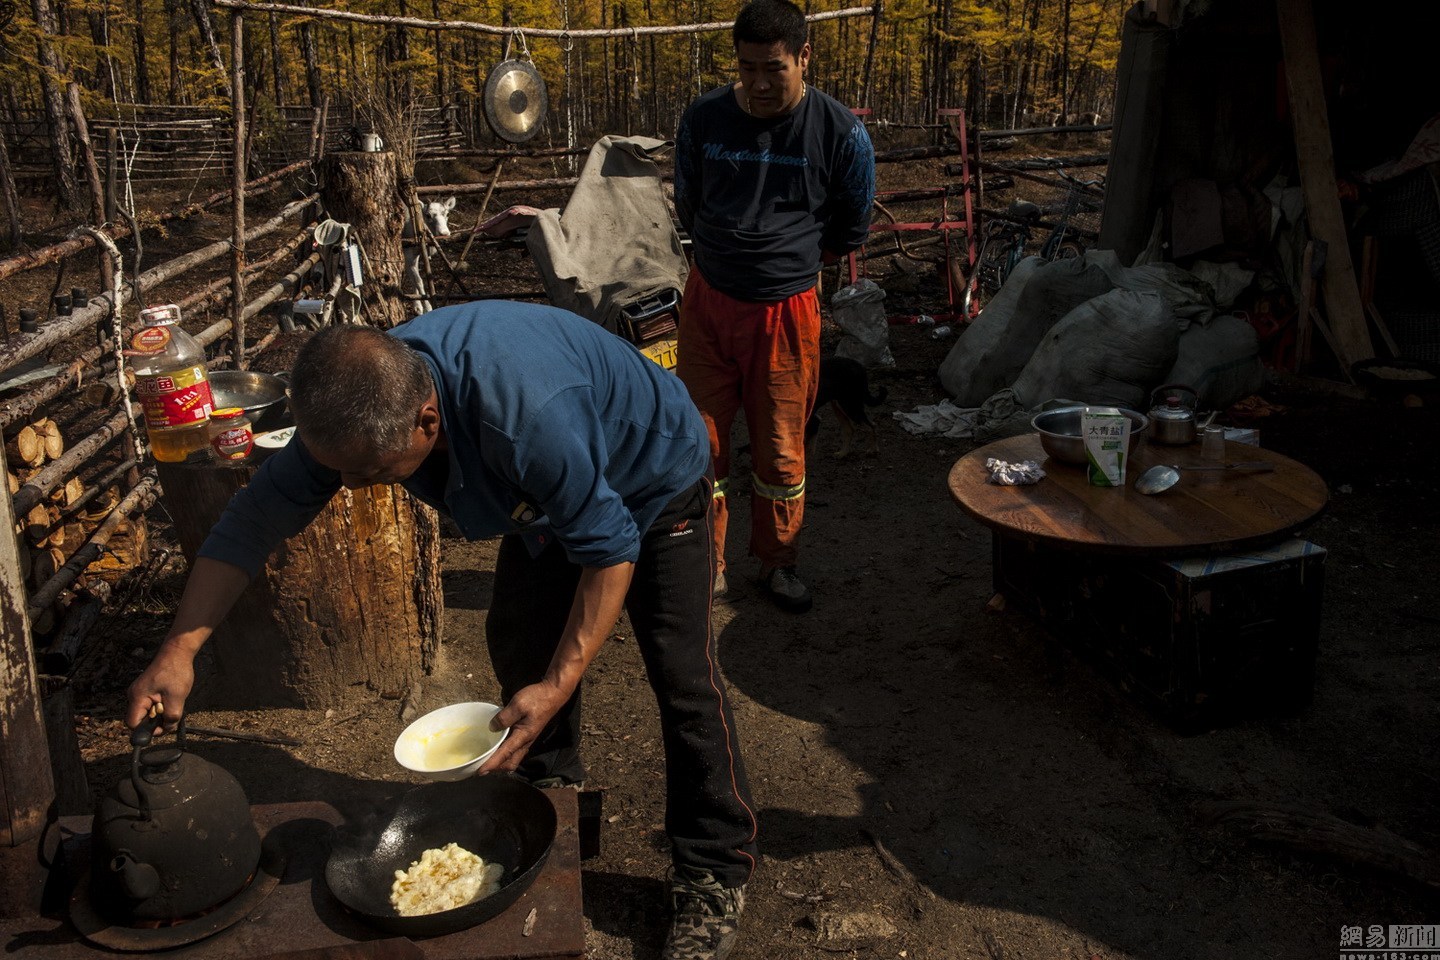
772,180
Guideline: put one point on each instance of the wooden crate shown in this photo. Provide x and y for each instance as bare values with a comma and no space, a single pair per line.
1204,640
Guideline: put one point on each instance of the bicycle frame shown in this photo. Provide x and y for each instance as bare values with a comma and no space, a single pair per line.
1064,240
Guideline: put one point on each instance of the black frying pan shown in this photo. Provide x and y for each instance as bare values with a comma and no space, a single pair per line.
496,817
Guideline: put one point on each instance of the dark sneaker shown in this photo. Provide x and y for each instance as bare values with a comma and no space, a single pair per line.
707,917
784,586
555,783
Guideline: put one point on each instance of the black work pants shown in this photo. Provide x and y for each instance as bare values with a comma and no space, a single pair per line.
709,813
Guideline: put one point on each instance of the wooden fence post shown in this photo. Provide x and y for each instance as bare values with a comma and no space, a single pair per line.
237,259
27,788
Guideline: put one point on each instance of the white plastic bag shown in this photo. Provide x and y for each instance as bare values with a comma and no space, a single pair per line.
859,311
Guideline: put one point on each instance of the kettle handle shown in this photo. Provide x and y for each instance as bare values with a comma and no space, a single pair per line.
1175,386
140,738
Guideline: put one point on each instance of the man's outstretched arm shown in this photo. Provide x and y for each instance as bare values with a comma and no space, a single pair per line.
210,592
599,598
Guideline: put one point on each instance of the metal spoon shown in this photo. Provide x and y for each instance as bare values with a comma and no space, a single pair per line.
1162,477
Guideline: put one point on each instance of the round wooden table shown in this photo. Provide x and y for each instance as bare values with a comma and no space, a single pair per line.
1206,512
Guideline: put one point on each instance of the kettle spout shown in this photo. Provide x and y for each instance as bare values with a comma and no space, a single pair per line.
140,881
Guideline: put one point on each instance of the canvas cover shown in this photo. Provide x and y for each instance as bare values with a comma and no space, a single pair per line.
585,266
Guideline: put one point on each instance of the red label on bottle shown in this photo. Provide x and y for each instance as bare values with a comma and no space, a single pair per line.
233,444
176,399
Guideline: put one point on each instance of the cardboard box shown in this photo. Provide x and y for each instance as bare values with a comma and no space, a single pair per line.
1204,640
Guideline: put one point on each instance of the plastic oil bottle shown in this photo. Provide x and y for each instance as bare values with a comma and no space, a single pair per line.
173,387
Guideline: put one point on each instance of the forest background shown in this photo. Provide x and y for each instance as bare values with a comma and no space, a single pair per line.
1010,63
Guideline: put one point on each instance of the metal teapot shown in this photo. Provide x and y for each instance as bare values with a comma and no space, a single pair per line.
1173,422
174,839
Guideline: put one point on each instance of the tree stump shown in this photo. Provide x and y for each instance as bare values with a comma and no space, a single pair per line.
354,599
361,189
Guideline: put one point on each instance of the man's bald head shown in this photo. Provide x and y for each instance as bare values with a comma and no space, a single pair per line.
354,388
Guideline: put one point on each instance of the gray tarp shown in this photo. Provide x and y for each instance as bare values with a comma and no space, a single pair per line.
615,241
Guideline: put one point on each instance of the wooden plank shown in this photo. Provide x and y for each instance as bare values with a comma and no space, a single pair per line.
1314,151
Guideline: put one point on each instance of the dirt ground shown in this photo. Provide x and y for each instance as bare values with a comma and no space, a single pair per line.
952,782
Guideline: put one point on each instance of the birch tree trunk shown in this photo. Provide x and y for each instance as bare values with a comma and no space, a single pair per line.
67,190
200,10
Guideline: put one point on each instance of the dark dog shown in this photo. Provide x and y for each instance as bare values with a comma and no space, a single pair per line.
845,386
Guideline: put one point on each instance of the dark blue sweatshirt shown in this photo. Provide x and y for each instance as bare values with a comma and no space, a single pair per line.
556,428
762,198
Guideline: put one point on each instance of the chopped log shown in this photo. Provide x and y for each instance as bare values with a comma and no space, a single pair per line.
102,490
72,789
14,482
127,549
140,497
39,486
45,562
353,599
71,493
26,447
37,525
51,440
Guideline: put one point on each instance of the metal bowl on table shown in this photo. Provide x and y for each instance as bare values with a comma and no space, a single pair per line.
261,395
1060,435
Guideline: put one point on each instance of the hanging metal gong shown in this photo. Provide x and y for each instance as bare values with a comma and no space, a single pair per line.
515,101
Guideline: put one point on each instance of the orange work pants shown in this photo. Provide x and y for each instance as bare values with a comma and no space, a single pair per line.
763,358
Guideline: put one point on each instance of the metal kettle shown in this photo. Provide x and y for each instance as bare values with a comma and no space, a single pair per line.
173,839
1173,422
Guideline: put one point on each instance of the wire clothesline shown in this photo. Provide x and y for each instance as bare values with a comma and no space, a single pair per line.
465,25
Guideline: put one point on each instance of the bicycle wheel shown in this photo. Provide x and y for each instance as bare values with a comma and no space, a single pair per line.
993,263
1070,250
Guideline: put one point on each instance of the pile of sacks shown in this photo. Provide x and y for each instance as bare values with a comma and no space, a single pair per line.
1095,331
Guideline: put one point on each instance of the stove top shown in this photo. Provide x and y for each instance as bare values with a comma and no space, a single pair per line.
288,909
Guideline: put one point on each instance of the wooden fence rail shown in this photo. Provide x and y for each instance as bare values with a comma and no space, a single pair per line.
82,242
62,328
61,539
158,143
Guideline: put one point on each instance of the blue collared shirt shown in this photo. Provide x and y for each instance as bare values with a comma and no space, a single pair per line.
556,429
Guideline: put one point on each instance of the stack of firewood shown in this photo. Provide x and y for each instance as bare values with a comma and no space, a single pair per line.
61,523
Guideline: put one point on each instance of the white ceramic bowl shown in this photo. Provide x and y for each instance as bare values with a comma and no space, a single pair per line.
450,743
274,439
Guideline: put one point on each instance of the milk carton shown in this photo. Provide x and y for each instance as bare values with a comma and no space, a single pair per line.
1106,432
